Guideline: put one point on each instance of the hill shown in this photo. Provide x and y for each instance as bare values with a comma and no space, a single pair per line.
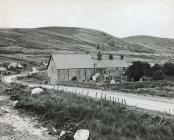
159,45
34,45
31,44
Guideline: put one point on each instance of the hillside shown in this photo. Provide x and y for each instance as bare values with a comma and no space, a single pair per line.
34,45
31,44
160,45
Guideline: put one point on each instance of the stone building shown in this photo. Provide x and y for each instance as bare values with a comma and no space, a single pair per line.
65,67
111,67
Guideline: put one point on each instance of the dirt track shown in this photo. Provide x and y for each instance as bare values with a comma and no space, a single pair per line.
14,126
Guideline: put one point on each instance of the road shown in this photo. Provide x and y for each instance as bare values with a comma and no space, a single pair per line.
159,104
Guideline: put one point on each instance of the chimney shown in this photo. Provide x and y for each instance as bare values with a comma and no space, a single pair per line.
99,56
121,57
111,57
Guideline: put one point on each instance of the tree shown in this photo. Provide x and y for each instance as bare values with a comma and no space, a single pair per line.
158,75
154,68
168,69
137,70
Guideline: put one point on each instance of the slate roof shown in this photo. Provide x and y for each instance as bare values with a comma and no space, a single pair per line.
110,63
66,61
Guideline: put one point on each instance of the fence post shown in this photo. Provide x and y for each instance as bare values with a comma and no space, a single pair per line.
125,102
105,96
96,95
110,98
101,95
113,99
122,102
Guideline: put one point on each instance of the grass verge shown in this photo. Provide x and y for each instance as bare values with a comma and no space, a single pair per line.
104,119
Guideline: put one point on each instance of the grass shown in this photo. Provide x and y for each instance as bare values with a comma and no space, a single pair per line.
105,120
2,87
156,88
39,78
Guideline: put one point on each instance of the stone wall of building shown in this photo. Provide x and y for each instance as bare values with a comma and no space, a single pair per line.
80,74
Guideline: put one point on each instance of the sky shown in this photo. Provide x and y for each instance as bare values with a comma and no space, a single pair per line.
121,18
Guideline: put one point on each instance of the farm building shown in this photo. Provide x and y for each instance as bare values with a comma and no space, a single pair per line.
64,67
111,67
15,65
3,71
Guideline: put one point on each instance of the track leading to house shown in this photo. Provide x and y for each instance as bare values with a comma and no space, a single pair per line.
153,103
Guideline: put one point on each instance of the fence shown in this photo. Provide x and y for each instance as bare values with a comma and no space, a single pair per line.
96,95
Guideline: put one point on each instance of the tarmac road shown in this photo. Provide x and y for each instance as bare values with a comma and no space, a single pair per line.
153,103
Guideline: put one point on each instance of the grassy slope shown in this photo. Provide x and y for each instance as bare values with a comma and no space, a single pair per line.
162,45
104,119
23,43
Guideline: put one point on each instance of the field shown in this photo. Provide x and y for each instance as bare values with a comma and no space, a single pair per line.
105,120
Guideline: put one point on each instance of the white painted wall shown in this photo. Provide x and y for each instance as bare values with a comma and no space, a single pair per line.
52,72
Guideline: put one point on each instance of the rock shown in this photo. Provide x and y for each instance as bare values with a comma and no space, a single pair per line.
54,129
5,110
62,133
82,134
14,103
36,91
112,82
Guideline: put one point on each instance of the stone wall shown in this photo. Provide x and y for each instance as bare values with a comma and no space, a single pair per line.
68,74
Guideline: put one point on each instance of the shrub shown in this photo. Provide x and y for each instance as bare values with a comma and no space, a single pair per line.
137,70
74,78
168,69
158,75
111,56
154,69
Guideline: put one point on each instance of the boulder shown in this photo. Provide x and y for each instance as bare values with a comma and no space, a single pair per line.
62,133
82,134
14,103
36,91
112,82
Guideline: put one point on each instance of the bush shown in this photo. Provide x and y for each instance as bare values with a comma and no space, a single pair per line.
168,69
137,70
158,75
74,78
